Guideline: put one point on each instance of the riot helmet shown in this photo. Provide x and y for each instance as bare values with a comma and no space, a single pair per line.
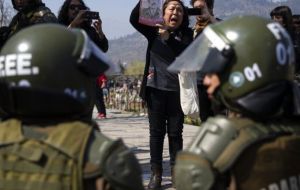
49,71
253,57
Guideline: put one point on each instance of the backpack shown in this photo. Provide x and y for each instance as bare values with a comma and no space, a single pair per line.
53,161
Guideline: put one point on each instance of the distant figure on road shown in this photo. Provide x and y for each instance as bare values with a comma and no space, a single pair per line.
100,104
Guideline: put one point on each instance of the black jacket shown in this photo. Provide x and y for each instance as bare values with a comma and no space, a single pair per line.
92,33
172,47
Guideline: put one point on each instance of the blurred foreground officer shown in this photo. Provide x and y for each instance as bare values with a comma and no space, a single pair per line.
47,141
30,12
249,67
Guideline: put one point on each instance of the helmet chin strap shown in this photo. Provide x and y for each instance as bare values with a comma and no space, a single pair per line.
217,104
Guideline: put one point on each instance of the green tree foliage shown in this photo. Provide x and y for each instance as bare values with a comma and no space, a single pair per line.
135,68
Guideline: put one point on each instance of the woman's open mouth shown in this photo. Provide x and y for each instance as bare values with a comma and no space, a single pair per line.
173,20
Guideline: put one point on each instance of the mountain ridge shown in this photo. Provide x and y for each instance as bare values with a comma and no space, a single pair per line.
132,47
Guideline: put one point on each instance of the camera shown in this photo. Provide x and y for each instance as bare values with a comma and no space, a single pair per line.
91,15
194,11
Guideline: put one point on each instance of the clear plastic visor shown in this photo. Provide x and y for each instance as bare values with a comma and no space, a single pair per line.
93,60
202,55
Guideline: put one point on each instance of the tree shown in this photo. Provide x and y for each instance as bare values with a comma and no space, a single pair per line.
5,13
135,68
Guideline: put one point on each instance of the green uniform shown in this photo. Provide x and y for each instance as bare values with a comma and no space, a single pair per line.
46,89
60,156
252,152
252,62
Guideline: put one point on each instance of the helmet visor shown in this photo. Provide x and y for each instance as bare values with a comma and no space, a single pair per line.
208,53
92,60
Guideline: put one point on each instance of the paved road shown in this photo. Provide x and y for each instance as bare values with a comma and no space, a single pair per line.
134,131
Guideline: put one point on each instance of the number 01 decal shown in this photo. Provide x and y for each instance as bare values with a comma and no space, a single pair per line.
251,73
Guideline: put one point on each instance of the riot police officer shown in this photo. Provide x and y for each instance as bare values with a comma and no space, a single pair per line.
47,141
248,63
30,12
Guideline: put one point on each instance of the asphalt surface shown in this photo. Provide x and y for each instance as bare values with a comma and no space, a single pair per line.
133,129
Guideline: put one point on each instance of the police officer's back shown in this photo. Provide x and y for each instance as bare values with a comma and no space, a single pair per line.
249,66
30,12
46,139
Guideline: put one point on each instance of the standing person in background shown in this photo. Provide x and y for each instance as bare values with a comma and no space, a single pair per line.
206,17
160,88
203,20
283,15
296,28
30,12
73,14
100,104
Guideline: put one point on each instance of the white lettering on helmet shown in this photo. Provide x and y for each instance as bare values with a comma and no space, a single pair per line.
2,73
23,64
17,65
284,184
24,83
277,30
252,73
75,93
284,53
281,54
10,65
273,186
292,183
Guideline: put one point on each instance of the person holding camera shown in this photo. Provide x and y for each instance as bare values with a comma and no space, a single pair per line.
204,17
75,14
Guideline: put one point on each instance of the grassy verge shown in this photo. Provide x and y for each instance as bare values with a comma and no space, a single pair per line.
190,121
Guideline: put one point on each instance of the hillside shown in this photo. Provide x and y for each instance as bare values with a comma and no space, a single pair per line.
228,8
128,48
133,47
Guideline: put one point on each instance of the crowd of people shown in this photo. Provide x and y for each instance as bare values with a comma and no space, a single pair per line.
247,82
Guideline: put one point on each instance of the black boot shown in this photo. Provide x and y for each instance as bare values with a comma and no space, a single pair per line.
156,178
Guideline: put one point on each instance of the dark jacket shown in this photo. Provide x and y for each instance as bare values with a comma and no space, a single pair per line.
30,16
92,33
171,47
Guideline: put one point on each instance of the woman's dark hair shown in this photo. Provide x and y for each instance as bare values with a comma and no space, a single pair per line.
185,21
209,3
30,3
63,12
296,18
286,14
